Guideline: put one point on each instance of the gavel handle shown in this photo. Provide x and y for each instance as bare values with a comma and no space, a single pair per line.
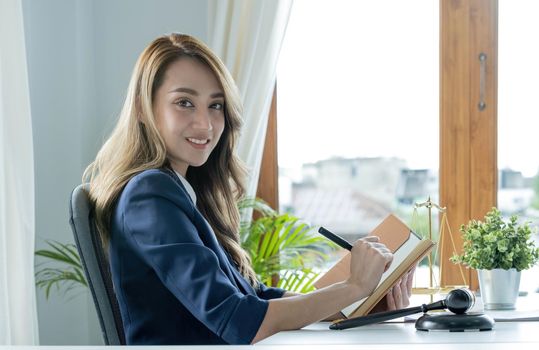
375,318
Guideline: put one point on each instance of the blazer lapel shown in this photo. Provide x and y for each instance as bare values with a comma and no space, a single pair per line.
225,261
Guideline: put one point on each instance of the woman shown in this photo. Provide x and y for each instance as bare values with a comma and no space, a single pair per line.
165,186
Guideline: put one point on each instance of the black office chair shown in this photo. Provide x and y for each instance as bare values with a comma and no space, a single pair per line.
96,266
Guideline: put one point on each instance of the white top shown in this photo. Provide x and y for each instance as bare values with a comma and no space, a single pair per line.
188,187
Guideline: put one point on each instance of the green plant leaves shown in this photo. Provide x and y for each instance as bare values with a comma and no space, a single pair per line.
284,246
65,279
300,281
497,244
278,244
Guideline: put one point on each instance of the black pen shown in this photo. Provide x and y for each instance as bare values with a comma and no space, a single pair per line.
335,239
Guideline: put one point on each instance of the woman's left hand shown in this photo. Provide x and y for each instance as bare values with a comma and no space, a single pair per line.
398,297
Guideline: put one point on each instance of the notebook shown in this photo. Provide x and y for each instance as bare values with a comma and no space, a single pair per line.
407,248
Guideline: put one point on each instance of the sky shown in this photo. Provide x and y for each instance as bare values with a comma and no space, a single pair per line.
361,79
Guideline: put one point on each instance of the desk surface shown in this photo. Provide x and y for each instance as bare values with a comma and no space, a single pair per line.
405,334
401,336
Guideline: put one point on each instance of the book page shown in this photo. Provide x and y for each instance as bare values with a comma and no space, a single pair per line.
398,257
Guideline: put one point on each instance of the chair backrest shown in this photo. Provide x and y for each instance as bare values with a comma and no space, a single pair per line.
96,266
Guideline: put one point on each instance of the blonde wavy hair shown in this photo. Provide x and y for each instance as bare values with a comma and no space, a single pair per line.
135,145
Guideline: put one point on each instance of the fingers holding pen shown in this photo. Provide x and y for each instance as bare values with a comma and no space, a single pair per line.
370,259
374,242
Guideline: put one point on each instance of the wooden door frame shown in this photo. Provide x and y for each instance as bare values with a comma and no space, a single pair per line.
468,135
268,180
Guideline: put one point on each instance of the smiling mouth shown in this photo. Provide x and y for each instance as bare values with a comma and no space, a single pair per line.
198,141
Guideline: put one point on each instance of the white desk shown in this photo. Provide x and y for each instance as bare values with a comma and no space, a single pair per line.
399,336
504,335
404,336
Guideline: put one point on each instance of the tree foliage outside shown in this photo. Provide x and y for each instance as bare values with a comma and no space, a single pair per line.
535,202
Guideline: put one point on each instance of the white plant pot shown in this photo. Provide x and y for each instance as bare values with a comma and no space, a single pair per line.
499,288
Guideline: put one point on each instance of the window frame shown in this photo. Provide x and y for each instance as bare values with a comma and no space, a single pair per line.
468,135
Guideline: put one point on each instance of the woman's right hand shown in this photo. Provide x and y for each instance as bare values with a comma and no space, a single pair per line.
370,259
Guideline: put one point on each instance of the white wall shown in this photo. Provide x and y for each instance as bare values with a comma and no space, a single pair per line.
80,56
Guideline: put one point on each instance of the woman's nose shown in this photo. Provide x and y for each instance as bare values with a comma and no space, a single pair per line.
202,120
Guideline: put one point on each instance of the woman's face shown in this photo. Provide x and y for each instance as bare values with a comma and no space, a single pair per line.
189,113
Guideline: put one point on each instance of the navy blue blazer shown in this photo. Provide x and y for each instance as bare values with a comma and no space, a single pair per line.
174,282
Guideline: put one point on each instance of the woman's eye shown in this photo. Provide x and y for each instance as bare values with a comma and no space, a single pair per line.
184,103
218,106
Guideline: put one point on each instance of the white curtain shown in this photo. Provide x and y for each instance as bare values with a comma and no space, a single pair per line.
18,316
247,35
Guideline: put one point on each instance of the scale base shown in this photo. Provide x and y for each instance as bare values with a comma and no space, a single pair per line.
448,321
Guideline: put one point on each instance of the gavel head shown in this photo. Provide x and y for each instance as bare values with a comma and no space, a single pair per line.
459,300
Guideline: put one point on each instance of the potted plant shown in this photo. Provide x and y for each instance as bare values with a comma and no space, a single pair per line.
499,250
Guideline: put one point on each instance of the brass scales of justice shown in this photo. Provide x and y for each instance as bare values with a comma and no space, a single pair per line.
434,286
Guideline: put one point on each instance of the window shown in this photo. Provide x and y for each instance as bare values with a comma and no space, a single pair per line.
470,145
358,112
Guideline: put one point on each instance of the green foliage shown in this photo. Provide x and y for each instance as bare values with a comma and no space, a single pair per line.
535,202
281,245
66,278
278,244
497,244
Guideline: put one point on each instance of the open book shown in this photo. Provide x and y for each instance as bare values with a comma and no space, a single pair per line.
407,248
